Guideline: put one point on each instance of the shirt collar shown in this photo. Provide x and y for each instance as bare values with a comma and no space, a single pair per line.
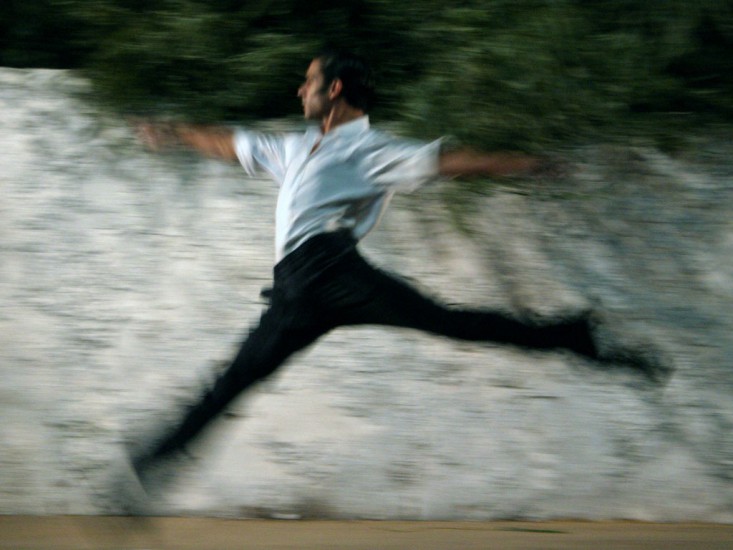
351,128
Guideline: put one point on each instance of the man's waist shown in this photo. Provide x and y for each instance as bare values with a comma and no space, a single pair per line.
316,253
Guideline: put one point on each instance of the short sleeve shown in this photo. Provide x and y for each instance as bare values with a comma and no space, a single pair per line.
401,164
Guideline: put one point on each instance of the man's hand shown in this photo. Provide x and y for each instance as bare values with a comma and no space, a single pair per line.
466,163
550,168
210,141
156,136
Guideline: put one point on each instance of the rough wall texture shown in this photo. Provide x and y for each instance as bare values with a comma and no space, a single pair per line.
125,277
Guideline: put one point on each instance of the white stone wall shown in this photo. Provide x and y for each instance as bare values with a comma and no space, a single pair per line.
126,277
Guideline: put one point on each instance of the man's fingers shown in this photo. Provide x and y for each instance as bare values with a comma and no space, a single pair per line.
154,135
149,135
552,168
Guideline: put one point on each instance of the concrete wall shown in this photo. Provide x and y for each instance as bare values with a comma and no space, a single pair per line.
126,278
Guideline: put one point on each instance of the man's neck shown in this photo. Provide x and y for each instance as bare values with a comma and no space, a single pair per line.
340,113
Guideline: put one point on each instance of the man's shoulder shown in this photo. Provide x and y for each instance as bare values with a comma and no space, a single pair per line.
261,136
386,137
377,136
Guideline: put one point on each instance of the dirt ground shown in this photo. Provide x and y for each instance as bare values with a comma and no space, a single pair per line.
113,533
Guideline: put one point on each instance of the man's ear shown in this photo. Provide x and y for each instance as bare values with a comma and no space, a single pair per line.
335,89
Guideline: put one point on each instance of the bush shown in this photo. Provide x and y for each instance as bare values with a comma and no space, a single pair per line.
494,73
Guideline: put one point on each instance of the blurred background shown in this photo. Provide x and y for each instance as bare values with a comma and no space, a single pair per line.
493,73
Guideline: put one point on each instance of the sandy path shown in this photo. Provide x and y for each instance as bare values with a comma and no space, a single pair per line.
100,533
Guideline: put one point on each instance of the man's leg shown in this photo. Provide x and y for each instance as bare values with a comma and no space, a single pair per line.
376,297
279,334
387,300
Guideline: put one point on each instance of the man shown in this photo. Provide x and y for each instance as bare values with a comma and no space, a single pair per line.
335,181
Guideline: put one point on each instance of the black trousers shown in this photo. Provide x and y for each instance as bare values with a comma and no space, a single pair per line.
325,284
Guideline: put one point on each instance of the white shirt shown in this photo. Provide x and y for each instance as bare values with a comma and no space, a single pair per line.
345,183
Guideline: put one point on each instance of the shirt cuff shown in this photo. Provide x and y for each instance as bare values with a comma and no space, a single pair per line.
243,147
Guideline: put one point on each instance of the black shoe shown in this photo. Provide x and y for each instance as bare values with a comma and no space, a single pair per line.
138,483
632,352
647,360
157,473
125,494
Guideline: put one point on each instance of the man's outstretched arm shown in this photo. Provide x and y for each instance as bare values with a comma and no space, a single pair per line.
467,163
210,141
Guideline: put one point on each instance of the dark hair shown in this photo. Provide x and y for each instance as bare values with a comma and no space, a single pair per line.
354,73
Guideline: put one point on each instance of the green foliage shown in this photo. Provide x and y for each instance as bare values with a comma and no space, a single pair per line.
527,73
494,73
36,34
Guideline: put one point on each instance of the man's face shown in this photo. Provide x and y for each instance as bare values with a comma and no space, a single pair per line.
316,103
